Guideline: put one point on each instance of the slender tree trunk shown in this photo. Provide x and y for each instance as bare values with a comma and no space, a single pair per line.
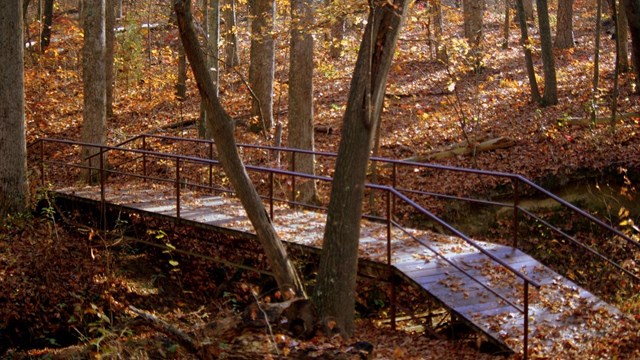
564,25
13,151
301,96
633,19
596,62
473,13
526,47
212,29
550,95
181,85
507,24
222,127
441,50
528,9
262,67
622,35
110,24
47,20
231,58
94,126
335,293
336,28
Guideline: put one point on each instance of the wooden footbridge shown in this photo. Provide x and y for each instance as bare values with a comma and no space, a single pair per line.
513,299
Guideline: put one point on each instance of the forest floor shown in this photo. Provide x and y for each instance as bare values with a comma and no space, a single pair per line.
80,309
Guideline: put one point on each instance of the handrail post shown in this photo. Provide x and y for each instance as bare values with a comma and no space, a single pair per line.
178,188
391,277
144,159
211,166
516,200
271,195
525,346
293,177
42,177
394,178
103,210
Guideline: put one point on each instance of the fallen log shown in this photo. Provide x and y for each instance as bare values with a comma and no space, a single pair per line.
600,120
465,149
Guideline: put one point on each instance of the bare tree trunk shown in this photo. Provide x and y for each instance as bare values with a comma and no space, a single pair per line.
110,24
222,127
94,126
212,29
622,35
47,21
441,51
337,27
335,292
262,67
528,9
633,19
13,151
564,25
528,58
596,62
231,58
181,85
301,96
550,95
507,24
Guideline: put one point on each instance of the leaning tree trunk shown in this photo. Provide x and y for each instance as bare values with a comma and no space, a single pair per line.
526,47
335,292
550,95
212,31
13,151
301,96
222,126
94,126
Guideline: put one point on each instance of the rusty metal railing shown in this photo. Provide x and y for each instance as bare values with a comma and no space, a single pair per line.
394,193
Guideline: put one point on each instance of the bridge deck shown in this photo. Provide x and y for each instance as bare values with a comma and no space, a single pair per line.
560,311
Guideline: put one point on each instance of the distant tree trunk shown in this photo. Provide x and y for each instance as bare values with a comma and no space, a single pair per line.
528,57
336,28
564,25
632,8
301,95
441,51
507,24
47,22
528,9
212,29
596,62
335,292
622,33
110,24
231,58
222,127
94,126
262,67
550,95
473,13
181,85
13,150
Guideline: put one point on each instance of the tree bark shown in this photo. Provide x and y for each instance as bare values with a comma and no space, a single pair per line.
550,95
336,28
13,151
528,57
222,127
231,58
335,291
564,25
473,13
212,30
632,8
622,35
47,22
94,126
110,24
262,67
301,134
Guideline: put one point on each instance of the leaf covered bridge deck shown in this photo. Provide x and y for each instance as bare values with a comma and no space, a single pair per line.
462,278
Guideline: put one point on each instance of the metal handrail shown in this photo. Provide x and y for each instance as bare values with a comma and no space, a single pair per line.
391,190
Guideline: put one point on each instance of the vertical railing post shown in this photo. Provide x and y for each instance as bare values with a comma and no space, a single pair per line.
393,184
525,345
103,206
42,177
178,188
144,159
391,277
293,177
271,195
516,200
211,166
